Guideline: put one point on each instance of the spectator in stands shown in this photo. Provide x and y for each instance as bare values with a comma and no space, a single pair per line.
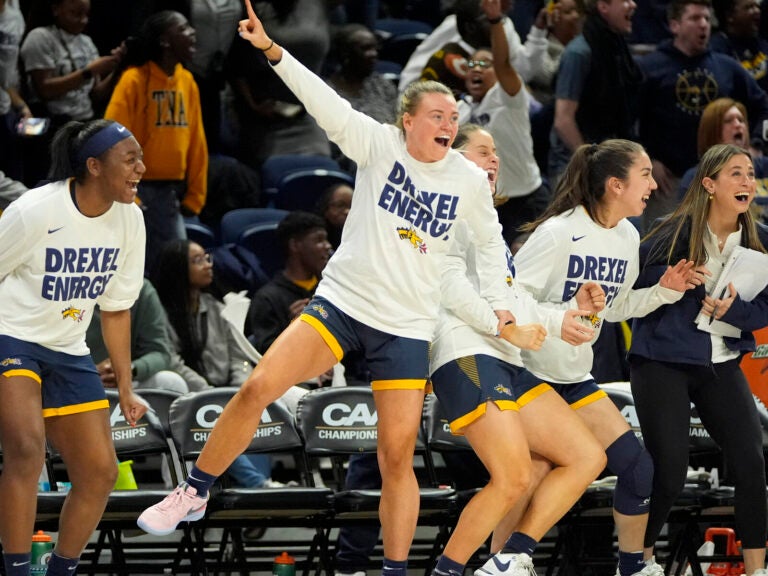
725,121
448,33
215,24
738,36
556,24
12,106
675,362
272,121
157,98
150,348
10,189
66,77
334,206
203,351
498,100
594,65
356,79
304,241
680,78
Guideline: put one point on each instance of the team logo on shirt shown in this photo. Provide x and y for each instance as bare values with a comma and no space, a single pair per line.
71,312
10,362
503,390
594,320
415,239
320,310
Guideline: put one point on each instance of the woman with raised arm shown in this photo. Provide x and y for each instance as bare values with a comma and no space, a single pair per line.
380,291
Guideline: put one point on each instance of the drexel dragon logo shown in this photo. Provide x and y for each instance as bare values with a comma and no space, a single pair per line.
503,390
10,362
320,310
594,320
71,312
415,239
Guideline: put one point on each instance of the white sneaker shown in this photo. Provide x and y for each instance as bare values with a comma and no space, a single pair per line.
502,564
358,573
181,505
651,568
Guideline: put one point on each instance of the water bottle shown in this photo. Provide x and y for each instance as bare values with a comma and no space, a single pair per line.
42,548
285,565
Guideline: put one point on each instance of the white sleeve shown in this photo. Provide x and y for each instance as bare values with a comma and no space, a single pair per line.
535,261
352,131
490,248
637,303
17,239
541,68
518,53
123,289
528,310
458,295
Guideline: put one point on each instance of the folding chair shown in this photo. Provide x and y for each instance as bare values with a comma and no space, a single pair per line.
338,422
147,438
192,417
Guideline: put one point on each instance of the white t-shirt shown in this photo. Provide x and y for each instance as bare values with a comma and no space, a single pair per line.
447,32
467,322
56,264
567,251
506,117
386,272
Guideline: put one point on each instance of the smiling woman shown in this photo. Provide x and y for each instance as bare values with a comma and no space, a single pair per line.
673,359
64,246
380,291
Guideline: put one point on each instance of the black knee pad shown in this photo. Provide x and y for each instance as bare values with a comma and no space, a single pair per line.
632,464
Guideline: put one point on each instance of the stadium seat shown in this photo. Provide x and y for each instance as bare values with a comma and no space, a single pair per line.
201,234
301,190
234,222
261,239
275,168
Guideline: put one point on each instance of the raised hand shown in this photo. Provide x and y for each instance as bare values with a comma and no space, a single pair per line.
253,31
680,277
525,336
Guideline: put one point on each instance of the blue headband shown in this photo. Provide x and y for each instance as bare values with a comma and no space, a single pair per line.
102,141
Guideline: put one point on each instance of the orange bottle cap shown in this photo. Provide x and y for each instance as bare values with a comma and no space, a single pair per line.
285,558
41,536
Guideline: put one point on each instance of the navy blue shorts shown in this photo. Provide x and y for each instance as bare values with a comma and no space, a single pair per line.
529,387
395,362
68,384
466,384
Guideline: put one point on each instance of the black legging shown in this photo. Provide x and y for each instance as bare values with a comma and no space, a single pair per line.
663,392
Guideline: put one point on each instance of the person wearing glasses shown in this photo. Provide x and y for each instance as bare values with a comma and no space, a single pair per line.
498,100
204,352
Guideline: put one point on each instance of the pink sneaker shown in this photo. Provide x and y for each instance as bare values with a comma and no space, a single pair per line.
181,505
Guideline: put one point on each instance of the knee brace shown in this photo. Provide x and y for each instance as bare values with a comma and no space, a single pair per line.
633,466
